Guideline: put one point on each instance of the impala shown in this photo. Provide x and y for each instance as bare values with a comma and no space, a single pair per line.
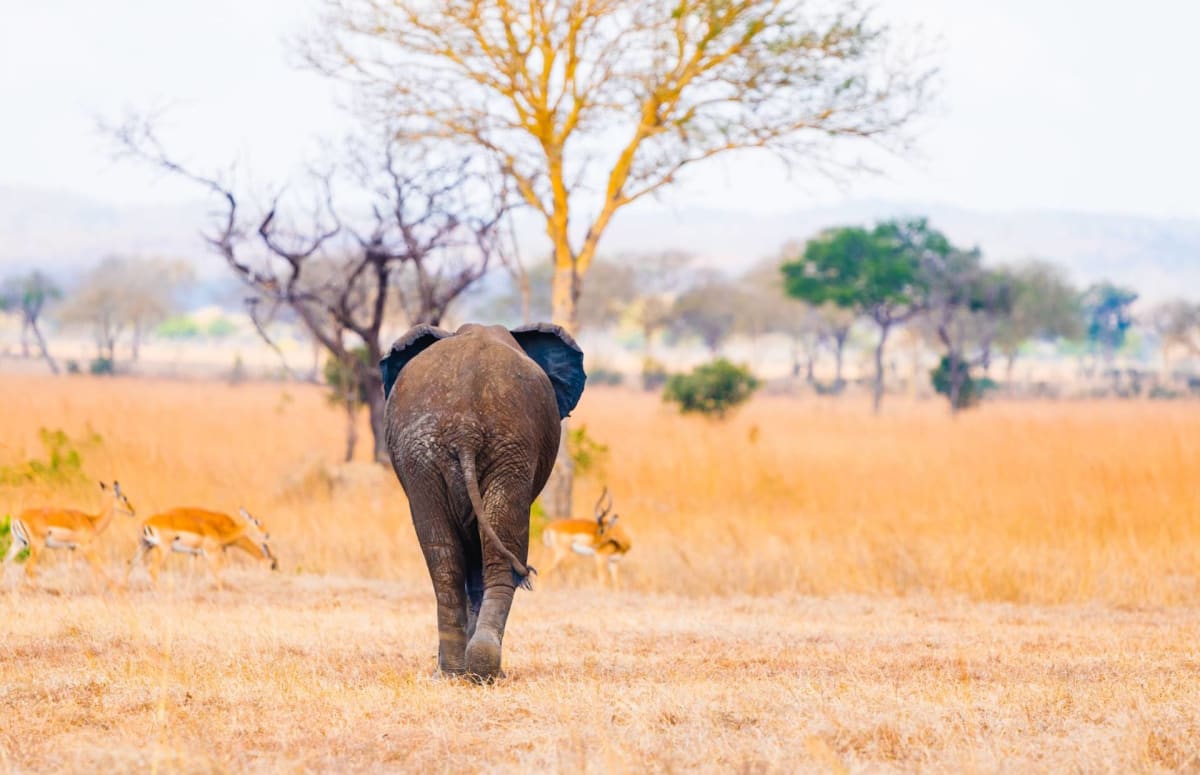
51,528
599,537
200,533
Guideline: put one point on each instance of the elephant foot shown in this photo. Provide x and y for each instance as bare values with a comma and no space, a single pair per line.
483,657
451,659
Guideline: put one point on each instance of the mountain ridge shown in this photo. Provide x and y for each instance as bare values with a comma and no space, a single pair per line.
61,231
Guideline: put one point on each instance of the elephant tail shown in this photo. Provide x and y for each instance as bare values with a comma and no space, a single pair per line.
521,573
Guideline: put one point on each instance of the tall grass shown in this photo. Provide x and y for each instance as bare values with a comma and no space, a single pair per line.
1039,502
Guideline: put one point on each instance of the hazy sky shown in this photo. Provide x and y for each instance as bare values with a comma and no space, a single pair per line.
1086,105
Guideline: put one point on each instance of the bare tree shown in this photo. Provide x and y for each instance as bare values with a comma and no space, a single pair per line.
151,289
125,294
431,233
1177,323
98,303
544,88
709,311
29,294
966,305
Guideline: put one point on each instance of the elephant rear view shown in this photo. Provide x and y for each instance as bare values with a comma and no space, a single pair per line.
473,426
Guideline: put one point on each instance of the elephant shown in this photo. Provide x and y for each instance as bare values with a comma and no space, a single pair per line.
473,421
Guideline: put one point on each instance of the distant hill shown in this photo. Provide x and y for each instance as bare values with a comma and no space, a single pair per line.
1158,257
61,232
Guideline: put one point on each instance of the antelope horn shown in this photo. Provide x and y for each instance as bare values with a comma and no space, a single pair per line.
597,512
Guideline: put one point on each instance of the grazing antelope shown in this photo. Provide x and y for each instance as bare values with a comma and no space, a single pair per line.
50,528
200,533
599,537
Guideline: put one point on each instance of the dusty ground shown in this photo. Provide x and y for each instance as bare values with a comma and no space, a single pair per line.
327,674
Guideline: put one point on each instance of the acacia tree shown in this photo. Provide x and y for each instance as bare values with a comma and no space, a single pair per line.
590,105
1044,306
1107,308
431,232
875,273
29,294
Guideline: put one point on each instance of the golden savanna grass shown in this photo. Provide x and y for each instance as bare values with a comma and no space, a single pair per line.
810,588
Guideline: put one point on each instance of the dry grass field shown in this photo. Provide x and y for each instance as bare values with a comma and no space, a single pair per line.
810,588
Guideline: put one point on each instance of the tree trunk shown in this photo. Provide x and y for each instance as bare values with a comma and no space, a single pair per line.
351,407
41,340
839,344
376,405
877,398
564,293
957,373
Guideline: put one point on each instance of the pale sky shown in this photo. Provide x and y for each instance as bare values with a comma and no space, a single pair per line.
1063,104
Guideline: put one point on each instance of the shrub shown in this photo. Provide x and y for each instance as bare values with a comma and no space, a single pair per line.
537,521
63,463
343,381
588,454
712,389
102,367
220,328
972,389
603,376
178,327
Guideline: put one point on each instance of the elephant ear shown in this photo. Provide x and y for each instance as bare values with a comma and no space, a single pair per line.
405,349
555,351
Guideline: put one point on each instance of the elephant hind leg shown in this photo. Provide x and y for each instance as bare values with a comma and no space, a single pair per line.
510,516
474,557
521,573
445,558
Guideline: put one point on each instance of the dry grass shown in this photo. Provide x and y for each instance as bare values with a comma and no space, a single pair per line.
809,588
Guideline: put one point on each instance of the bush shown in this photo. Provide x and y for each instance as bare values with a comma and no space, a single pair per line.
343,381
588,455
603,376
102,367
178,327
972,389
62,465
712,389
220,328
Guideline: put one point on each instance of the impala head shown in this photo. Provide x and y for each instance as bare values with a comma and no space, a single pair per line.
606,523
121,502
600,511
257,536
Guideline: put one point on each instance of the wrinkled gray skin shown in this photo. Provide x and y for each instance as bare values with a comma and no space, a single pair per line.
472,409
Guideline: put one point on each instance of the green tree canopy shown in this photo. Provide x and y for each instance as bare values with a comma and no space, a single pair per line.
875,272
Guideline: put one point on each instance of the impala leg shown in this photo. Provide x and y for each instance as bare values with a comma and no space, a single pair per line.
89,553
556,556
157,556
212,561
614,564
600,561
138,559
35,554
